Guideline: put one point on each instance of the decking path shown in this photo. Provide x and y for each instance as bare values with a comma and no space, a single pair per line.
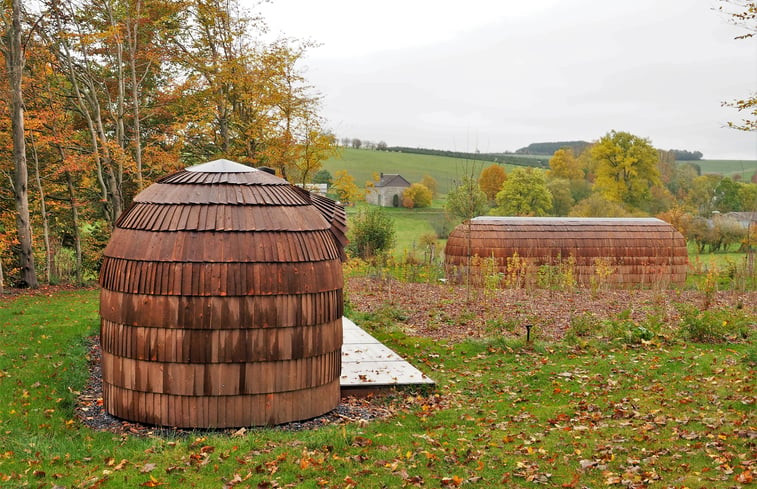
367,363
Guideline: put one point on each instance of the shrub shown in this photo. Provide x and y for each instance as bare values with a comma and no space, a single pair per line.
586,325
715,325
371,233
323,176
416,195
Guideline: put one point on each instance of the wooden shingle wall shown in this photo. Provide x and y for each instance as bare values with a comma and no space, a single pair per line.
636,250
221,302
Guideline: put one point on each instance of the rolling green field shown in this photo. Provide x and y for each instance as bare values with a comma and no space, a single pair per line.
745,168
362,164
411,224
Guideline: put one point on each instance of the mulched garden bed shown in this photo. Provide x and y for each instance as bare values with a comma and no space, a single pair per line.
444,311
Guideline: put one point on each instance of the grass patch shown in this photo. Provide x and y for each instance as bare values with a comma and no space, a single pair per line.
745,168
505,413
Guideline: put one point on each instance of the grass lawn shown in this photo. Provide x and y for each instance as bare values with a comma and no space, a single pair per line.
656,415
410,225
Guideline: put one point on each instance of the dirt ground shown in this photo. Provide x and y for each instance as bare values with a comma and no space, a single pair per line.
453,312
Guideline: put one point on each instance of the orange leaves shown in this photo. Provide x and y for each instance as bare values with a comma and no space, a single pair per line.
453,481
491,179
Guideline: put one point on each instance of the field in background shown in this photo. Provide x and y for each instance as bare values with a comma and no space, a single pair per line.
745,168
411,224
362,164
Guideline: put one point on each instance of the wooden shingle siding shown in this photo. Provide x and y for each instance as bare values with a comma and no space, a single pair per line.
221,302
639,250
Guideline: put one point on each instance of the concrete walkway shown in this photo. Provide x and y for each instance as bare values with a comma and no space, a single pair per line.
368,364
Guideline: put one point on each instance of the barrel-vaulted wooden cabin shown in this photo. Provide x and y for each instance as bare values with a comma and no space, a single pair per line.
221,301
632,250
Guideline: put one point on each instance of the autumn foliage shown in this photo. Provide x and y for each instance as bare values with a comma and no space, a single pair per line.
120,93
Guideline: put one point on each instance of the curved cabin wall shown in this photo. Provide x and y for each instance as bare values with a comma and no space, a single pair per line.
221,302
638,250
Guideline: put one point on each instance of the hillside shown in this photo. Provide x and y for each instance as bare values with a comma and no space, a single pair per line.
362,164
745,168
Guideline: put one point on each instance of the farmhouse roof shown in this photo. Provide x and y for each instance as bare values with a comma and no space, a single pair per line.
743,216
392,180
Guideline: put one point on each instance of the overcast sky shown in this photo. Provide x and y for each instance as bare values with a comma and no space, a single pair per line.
498,75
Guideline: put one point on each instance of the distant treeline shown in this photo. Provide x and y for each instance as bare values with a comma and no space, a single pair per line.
548,149
683,155
533,149
509,158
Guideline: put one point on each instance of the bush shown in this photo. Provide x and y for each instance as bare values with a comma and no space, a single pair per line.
323,176
715,325
586,326
416,195
371,233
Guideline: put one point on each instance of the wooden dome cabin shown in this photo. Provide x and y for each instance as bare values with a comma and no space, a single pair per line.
632,250
221,301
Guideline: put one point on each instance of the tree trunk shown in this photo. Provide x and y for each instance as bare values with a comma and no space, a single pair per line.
75,218
43,210
131,37
14,57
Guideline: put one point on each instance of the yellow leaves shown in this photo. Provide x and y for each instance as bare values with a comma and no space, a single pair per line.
153,482
564,164
346,189
454,481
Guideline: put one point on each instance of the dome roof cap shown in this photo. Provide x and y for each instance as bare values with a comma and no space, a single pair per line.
222,166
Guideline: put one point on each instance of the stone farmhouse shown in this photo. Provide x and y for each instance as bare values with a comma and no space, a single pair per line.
388,191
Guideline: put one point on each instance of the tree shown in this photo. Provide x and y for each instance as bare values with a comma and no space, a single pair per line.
666,165
322,176
466,200
562,197
371,233
13,50
726,196
564,164
491,179
431,184
356,143
743,13
381,146
626,168
683,176
701,196
524,193
346,189
748,197
416,195
596,205
316,147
